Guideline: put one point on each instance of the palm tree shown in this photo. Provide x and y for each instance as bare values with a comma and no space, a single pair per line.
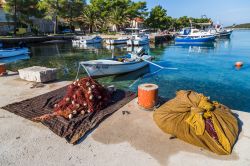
118,18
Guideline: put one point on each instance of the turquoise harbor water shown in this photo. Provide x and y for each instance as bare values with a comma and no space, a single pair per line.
208,69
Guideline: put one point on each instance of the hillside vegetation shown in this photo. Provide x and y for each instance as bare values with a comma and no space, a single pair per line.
246,25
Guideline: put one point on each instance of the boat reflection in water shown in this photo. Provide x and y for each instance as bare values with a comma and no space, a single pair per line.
198,48
87,46
116,47
136,48
15,58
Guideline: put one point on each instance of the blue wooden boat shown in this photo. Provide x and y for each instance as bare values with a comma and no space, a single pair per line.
194,36
192,39
10,52
14,58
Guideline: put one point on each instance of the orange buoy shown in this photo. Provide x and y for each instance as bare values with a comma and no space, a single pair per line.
147,95
2,69
238,64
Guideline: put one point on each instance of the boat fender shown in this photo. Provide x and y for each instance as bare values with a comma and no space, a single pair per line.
238,64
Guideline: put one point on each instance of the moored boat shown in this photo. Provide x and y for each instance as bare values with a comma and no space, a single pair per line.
87,40
194,36
10,52
121,40
14,58
116,65
138,40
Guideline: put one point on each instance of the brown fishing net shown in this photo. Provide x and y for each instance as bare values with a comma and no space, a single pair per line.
193,118
83,96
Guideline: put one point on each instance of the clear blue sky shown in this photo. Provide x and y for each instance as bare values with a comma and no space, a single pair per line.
227,12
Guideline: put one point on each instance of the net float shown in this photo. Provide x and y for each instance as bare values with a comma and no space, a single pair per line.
67,99
148,96
91,97
74,112
99,97
82,112
92,86
87,83
77,105
70,116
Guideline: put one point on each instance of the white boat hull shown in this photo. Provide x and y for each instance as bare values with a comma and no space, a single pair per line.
106,68
5,53
114,42
92,41
137,42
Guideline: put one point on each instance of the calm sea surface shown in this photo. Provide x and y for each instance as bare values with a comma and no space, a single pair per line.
208,69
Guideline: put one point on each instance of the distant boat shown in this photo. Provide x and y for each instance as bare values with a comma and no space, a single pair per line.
121,40
10,52
138,40
14,58
87,40
116,65
194,36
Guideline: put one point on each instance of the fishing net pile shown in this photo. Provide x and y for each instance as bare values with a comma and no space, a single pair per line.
83,96
195,119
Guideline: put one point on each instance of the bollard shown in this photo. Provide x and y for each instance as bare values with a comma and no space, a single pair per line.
2,69
147,96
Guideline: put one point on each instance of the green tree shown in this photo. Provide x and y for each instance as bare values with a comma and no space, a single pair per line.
100,14
71,10
122,11
51,9
158,18
21,11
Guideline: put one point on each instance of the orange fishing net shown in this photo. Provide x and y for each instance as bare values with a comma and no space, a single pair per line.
83,96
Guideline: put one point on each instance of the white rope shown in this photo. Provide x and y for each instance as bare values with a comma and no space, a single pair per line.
167,68
78,70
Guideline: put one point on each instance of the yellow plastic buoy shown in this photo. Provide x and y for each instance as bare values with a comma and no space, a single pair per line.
2,69
147,95
239,64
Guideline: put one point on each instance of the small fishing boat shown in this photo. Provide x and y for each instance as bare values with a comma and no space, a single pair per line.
10,52
194,36
138,40
116,65
121,40
87,40
15,58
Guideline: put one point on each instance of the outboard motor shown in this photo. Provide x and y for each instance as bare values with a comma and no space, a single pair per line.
140,51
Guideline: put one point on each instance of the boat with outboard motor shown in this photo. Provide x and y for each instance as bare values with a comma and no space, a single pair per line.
191,35
121,40
116,65
10,52
138,40
87,40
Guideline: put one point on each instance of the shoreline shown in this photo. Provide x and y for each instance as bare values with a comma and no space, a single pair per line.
132,139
